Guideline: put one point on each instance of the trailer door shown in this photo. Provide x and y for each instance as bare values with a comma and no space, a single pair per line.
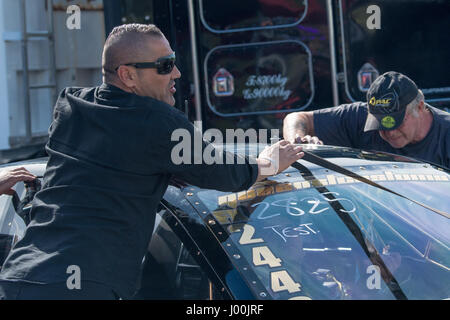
411,37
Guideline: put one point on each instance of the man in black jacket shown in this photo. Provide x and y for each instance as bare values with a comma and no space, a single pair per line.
110,164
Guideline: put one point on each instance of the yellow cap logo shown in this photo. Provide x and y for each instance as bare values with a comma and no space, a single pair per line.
388,122
379,102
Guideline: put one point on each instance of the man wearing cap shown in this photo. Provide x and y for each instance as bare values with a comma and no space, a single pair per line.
395,119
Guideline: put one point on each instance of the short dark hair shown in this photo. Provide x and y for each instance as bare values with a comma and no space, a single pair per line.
138,28
124,42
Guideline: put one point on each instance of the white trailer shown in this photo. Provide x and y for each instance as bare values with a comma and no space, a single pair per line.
40,54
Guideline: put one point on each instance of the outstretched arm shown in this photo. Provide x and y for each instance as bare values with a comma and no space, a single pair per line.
298,127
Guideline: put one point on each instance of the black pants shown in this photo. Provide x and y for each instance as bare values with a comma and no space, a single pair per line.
11,290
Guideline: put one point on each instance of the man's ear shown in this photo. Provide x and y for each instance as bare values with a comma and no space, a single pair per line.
421,106
127,76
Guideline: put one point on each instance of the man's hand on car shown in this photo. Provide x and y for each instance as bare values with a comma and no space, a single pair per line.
277,157
308,140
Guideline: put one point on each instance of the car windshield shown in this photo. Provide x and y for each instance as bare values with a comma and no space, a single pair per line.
322,235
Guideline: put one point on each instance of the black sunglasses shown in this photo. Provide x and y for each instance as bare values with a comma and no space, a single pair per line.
163,65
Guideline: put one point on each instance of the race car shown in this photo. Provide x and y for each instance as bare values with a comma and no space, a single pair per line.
339,224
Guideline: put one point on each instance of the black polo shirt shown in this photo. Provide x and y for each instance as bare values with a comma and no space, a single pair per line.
109,166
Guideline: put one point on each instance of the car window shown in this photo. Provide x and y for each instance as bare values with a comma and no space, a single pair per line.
170,272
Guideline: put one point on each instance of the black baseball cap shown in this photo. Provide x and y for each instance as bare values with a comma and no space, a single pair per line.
387,99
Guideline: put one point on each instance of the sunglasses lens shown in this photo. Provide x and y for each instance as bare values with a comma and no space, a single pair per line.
166,66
